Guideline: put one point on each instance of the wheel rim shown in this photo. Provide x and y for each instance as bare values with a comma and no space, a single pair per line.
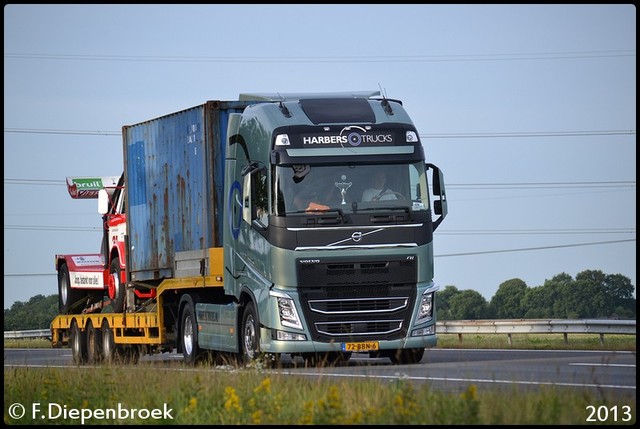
188,336
250,336
114,284
106,343
91,343
76,346
76,341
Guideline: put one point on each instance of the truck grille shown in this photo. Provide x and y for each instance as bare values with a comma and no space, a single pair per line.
358,300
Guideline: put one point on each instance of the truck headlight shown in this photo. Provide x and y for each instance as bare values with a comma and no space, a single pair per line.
425,311
287,310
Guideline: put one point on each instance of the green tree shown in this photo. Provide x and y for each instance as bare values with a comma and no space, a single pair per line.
507,301
443,302
37,313
620,290
538,302
468,305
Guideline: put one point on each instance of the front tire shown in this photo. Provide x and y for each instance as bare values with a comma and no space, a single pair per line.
189,337
249,334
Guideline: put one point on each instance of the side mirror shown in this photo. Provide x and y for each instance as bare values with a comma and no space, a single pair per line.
439,195
103,201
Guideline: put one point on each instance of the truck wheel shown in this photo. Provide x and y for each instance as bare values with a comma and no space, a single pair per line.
250,334
94,344
66,295
406,356
109,348
115,286
78,343
190,348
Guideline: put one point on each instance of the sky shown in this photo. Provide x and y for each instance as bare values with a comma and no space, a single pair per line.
529,110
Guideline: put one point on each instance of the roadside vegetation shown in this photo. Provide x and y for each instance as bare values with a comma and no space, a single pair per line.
144,394
591,295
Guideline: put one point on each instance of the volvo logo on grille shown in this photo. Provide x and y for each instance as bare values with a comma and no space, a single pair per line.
356,236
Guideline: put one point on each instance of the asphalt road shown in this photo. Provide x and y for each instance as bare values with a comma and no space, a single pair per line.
451,370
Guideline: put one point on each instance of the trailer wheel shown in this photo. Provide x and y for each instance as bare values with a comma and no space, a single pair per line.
190,348
249,334
78,343
109,348
406,356
94,343
66,295
115,287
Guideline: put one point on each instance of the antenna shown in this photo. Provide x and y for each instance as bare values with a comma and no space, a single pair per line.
283,108
385,102
384,96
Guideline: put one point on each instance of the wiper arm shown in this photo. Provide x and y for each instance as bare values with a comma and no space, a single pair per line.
339,211
406,209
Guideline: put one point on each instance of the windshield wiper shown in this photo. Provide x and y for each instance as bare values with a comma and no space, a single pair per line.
406,209
341,217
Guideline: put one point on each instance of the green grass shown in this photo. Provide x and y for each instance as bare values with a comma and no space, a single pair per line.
231,396
538,342
227,396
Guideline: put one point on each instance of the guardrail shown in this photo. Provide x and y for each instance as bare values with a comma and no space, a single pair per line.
460,327
33,333
542,326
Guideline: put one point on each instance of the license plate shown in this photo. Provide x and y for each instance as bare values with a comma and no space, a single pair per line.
365,346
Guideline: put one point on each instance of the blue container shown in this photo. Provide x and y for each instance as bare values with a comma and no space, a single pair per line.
174,176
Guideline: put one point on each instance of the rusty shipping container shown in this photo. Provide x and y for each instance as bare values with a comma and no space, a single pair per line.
174,175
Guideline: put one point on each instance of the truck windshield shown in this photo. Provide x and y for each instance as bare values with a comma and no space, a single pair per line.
356,187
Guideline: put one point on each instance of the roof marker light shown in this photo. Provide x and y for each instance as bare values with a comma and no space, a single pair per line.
283,140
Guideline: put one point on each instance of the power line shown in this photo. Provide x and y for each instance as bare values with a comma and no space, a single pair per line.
333,59
435,256
539,231
52,228
486,252
67,132
475,186
529,134
629,230
424,136
34,182
543,185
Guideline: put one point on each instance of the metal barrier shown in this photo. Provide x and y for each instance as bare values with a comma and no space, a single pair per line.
541,326
460,327
33,333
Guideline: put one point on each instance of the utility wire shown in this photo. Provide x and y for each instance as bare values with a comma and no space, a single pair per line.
435,256
630,230
424,136
475,186
486,252
333,59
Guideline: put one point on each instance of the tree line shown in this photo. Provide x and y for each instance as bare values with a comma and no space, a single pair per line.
591,295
